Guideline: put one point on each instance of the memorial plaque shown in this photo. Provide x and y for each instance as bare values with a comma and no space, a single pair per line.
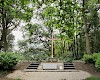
49,66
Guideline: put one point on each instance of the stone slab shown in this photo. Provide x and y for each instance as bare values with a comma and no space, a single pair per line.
61,67
49,66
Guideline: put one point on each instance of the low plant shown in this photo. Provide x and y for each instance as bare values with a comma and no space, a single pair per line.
68,59
94,58
97,63
39,57
88,58
67,56
8,60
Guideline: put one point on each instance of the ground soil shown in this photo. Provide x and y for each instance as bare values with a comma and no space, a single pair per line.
88,68
79,65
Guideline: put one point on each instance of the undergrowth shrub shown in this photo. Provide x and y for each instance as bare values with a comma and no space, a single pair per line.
39,57
67,56
88,58
8,60
97,63
94,58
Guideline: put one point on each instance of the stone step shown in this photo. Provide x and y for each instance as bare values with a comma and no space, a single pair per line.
34,70
69,67
31,68
33,65
68,63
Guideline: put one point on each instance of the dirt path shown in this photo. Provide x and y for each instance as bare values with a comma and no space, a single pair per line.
49,75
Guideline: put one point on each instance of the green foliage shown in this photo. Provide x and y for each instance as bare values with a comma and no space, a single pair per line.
35,55
39,57
94,58
67,56
97,63
8,60
93,78
88,58
12,13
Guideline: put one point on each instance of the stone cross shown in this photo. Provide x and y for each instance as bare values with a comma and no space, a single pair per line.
52,43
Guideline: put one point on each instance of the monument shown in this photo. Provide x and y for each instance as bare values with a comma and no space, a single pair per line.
50,65
52,44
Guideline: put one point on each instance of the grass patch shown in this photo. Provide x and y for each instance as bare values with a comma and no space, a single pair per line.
93,78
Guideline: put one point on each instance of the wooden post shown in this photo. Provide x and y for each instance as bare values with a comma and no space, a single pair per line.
52,44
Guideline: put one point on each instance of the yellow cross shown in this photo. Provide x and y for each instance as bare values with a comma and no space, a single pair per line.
52,43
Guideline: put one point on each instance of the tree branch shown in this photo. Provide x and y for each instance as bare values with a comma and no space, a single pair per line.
15,26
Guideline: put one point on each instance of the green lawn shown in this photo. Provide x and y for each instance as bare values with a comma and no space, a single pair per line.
93,78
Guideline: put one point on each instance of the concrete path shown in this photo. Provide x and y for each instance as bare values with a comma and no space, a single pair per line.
18,74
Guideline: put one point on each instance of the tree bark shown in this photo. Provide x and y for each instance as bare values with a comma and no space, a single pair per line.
88,50
4,27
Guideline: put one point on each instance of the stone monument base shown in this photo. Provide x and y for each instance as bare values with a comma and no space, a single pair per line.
51,67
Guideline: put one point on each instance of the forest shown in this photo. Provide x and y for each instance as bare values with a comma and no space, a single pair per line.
75,22
66,31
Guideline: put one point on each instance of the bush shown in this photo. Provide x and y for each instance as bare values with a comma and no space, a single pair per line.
39,57
97,63
88,58
94,58
67,56
8,60
68,59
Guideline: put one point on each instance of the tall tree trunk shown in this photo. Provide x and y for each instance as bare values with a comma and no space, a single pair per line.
5,39
4,26
63,47
87,43
88,50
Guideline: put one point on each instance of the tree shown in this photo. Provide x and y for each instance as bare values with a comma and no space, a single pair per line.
91,21
86,29
35,39
71,17
12,12
65,16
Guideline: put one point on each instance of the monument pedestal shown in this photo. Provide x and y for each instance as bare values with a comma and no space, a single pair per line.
51,67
